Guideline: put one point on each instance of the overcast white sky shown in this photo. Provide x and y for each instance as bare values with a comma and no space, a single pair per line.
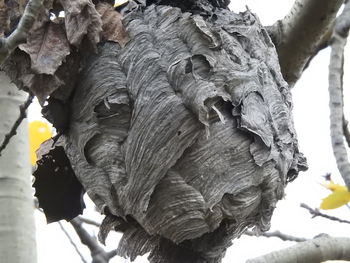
311,115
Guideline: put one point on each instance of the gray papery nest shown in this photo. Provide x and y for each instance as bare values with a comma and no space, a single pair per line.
186,134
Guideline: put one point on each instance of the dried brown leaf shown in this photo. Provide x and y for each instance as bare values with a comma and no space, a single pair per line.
9,16
59,85
4,18
47,46
42,85
22,4
44,65
81,19
11,12
16,66
112,25
48,4
68,73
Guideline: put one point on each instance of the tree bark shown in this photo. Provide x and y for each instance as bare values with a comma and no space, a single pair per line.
299,35
335,87
313,251
17,229
19,36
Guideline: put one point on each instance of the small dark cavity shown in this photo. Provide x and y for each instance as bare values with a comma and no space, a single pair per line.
201,66
292,175
188,67
236,110
224,107
214,17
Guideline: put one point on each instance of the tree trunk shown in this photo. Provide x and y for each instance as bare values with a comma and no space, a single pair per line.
17,229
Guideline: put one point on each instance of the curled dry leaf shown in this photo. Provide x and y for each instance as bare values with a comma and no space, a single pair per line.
59,192
4,18
59,85
112,25
16,66
47,46
81,19
13,10
45,63
41,85
10,13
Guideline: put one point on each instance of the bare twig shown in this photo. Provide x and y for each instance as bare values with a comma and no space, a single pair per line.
89,221
316,212
112,253
72,242
336,71
303,32
84,236
22,114
316,250
97,252
277,234
36,205
19,36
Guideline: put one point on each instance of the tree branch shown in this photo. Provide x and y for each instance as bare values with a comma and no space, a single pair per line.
277,234
89,221
112,253
316,212
302,33
22,114
97,252
316,250
72,242
335,78
19,36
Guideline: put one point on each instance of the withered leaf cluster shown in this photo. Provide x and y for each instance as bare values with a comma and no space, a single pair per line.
48,64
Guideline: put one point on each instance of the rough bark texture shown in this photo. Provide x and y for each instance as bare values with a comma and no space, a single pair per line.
318,250
17,229
184,137
301,34
336,103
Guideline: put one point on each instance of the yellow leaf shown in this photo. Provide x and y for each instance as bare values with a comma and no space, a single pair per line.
38,133
338,198
335,187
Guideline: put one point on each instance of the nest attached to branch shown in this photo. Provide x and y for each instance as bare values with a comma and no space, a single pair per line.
186,133
180,127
